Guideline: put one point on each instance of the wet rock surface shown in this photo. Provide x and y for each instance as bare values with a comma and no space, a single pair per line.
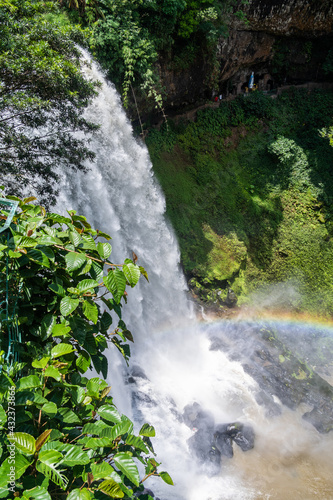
284,371
211,442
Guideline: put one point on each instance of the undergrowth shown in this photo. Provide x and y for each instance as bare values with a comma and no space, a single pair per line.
249,191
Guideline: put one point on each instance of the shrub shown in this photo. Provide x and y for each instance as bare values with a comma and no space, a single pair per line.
61,435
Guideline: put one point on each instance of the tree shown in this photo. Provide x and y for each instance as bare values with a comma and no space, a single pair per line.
42,96
61,435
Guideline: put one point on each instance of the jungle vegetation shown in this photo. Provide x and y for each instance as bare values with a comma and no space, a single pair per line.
249,189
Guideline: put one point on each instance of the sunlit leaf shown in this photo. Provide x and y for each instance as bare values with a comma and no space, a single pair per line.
61,350
127,465
23,442
68,305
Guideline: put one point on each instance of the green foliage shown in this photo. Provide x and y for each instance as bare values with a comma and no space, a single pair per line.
61,434
43,96
328,64
249,192
127,36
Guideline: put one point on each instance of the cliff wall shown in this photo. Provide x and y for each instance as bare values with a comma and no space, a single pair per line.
283,41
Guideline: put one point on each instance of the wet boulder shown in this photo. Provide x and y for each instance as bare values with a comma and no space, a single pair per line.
223,441
225,434
242,435
197,418
201,444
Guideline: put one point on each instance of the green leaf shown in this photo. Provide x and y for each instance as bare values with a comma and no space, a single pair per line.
111,488
109,413
47,325
147,430
41,363
90,310
50,409
88,242
95,443
38,257
117,430
47,251
136,442
79,494
115,282
97,270
78,395
79,327
47,464
75,238
60,330
36,493
106,321
3,417
68,305
95,385
21,464
58,289
127,465
101,470
144,273
166,477
132,273
83,361
48,240
75,456
53,372
28,382
104,250
68,416
61,350
75,260
86,285
23,442
94,428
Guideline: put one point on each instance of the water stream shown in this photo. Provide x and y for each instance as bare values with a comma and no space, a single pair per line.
172,362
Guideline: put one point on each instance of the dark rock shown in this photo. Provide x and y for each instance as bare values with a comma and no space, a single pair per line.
138,372
244,436
321,418
197,418
144,494
265,399
223,443
231,299
140,397
280,371
202,446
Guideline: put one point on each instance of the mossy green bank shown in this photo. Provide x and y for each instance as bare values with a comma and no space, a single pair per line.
249,191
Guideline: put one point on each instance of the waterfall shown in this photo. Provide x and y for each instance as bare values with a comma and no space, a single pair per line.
172,362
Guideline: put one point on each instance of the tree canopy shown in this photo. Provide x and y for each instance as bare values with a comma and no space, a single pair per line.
42,96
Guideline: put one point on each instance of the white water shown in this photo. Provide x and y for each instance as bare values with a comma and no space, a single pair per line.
120,196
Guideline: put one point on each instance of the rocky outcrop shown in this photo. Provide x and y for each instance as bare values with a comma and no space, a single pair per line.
282,41
280,373
291,17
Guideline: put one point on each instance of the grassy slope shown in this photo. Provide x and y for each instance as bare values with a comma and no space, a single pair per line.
249,191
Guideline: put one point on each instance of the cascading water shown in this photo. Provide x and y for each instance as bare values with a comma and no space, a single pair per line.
173,361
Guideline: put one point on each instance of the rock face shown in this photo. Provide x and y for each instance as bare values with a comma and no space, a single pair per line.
283,40
284,370
290,17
